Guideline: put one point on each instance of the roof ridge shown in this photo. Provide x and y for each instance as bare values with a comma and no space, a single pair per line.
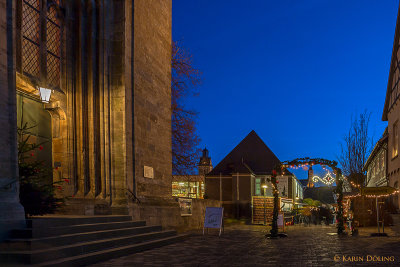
251,150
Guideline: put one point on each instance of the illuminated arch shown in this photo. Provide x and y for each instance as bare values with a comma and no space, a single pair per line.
280,170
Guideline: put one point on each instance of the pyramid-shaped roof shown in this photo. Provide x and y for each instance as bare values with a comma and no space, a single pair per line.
251,155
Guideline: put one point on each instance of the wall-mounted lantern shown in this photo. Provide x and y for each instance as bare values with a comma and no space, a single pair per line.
45,94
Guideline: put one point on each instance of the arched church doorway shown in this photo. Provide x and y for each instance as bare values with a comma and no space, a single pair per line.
30,111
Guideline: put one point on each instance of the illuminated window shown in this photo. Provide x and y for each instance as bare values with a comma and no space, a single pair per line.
39,41
188,189
395,149
257,185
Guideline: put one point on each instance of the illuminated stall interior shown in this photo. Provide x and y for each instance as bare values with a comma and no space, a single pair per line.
192,186
188,189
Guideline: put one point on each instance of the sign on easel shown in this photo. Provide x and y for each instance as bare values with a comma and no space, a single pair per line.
281,221
214,218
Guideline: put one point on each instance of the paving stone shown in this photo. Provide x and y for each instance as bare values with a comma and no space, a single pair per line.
246,245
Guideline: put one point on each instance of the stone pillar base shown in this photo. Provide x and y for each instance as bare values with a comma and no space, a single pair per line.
12,214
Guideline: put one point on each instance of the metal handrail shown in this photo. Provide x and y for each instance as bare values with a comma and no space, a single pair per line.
135,198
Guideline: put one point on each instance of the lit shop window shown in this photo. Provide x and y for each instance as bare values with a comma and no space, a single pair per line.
188,189
257,185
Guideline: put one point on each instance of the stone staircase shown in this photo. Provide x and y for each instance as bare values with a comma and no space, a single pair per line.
80,240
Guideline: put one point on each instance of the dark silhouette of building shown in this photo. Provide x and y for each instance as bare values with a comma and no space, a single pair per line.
205,165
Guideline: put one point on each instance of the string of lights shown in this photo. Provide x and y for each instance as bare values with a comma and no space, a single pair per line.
355,185
373,196
328,179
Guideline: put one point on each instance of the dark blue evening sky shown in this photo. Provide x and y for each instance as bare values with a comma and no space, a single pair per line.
294,71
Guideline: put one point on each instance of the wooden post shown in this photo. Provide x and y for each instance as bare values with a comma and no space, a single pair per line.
220,187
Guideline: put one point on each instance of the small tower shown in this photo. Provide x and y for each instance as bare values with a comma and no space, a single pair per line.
205,165
310,183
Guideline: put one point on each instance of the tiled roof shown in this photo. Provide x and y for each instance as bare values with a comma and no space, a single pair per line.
251,155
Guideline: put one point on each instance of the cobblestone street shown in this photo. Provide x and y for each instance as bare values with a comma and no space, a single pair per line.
245,245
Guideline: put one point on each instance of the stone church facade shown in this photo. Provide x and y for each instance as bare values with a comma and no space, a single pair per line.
107,125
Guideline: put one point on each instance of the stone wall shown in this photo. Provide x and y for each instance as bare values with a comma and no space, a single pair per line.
92,144
152,97
130,53
11,211
8,155
112,116
167,213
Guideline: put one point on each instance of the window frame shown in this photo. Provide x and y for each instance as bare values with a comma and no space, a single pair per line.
44,10
395,141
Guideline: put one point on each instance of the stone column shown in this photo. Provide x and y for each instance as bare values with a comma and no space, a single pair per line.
117,104
11,211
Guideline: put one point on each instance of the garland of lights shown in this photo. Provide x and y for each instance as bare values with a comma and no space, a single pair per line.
373,196
354,184
369,196
328,179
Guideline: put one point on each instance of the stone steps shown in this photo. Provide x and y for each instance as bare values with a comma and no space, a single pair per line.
90,258
54,221
72,229
63,240
80,243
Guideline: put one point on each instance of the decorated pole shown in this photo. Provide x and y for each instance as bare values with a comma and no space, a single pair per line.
339,192
274,230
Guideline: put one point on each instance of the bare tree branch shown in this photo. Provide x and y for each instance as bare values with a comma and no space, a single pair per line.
185,142
355,149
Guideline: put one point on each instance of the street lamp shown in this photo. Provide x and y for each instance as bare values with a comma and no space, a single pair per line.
296,207
45,94
264,186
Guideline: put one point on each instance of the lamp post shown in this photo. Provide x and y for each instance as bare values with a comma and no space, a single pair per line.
264,186
296,208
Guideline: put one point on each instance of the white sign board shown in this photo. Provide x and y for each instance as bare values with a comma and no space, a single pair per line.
280,220
282,184
214,218
148,172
